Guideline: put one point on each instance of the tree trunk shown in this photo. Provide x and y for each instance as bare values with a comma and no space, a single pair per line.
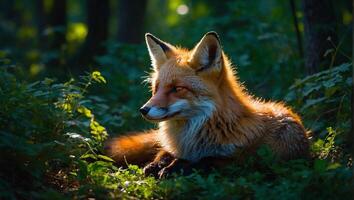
319,25
297,30
352,102
97,24
57,21
8,11
131,21
40,21
52,41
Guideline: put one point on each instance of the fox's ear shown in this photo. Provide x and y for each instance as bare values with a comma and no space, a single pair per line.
207,54
159,50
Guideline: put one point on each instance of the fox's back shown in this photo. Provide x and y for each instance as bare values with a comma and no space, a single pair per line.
204,111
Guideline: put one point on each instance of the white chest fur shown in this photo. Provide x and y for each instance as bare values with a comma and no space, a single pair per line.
183,138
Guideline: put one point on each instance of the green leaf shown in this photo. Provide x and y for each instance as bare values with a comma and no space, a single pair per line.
96,75
92,156
320,165
328,52
87,112
311,102
309,88
106,158
333,166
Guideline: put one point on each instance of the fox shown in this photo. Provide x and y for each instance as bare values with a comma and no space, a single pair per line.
205,116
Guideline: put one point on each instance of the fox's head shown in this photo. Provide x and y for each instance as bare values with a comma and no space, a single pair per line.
186,83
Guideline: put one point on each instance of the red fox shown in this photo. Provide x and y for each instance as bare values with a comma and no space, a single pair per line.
204,114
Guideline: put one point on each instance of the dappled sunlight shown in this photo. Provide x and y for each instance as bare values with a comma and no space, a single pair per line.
223,78
182,9
347,17
77,32
35,69
26,33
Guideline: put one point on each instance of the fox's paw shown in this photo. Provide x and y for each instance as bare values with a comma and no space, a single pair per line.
162,160
152,169
177,166
164,173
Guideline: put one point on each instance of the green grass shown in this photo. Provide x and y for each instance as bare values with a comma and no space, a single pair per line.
51,142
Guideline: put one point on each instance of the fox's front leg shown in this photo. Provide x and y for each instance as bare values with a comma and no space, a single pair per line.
176,166
162,159
186,167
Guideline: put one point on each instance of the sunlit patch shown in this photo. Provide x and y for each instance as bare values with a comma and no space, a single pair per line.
26,32
347,17
182,9
77,32
36,69
33,55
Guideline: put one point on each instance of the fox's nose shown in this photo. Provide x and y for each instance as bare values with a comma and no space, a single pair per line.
144,110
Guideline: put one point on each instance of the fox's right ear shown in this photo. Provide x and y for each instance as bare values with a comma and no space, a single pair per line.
159,50
207,54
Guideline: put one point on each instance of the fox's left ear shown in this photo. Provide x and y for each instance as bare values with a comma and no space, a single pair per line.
159,50
207,54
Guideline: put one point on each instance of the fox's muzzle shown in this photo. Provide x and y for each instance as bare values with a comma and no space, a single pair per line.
144,110
156,113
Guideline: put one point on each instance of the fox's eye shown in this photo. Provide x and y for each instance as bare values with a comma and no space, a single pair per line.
176,89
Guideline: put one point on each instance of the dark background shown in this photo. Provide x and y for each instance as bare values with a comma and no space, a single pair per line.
271,42
294,51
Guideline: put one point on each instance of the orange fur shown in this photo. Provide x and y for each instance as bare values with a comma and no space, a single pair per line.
137,148
209,112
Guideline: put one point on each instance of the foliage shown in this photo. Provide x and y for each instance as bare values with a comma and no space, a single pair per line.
257,179
45,128
324,98
125,67
52,131
255,35
59,144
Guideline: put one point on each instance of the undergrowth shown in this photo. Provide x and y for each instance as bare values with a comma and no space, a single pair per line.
51,144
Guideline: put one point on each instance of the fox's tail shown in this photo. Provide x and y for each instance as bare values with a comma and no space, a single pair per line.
137,148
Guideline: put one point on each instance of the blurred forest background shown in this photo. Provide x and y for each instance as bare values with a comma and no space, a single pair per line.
71,74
